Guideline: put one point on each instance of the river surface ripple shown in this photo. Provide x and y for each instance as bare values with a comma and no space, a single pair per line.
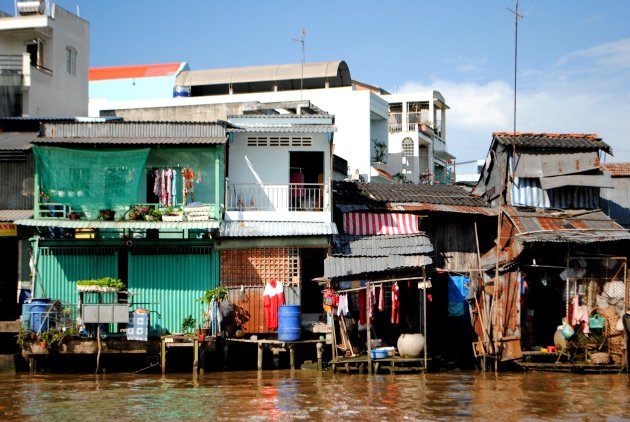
310,395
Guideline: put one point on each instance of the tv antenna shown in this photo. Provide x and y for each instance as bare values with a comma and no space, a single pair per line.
301,41
517,17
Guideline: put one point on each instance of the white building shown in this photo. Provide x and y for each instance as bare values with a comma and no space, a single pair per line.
44,59
361,112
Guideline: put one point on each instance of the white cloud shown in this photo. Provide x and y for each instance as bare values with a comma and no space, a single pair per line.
560,100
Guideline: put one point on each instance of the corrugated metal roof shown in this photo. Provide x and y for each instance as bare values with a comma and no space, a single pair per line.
134,141
459,209
275,228
546,164
345,266
579,226
387,245
134,130
96,224
617,169
16,141
552,140
379,194
286,128
333,70
12,215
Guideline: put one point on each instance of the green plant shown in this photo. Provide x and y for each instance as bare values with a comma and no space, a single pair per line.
380,152
218,294
103,282
188,325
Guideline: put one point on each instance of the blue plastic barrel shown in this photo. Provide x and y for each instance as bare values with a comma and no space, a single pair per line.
39,318
289,322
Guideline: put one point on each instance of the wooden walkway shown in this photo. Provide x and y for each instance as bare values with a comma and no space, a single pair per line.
392,364
557,362
281,345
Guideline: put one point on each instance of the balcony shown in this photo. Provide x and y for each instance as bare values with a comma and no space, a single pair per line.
416,122
277,198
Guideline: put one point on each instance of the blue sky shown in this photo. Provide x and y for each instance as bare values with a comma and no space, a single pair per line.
573,65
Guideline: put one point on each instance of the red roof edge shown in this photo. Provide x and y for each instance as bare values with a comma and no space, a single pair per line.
133,71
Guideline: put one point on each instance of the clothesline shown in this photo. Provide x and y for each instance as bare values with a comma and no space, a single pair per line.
374,283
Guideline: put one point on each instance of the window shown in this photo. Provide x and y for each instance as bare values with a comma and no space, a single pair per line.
71,61
35,49
407,147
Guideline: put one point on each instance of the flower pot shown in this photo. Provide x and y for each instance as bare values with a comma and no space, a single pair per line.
107,215
410,345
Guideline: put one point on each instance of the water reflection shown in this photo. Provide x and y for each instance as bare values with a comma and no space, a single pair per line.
291,395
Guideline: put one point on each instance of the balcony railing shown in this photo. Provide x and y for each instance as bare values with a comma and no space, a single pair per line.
11,62
261,197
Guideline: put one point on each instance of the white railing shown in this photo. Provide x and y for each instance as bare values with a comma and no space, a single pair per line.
11,62
262,197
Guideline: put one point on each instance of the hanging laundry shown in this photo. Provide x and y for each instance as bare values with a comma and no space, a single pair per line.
162,189
342,308
188,178
273,296
174,189
156,183
381,299
395,304
362,311
372,302
168,175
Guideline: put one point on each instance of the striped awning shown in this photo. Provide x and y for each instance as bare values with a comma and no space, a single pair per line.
355,223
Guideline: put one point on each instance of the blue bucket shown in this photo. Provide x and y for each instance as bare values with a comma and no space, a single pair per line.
289,322
39,320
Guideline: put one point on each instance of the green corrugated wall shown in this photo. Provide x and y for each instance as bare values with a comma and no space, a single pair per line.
171,281
59,268
164,280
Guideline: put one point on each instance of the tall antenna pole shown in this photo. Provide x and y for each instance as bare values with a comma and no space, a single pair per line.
301,41
517,16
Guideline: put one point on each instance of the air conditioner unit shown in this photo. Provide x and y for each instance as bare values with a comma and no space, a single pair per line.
37,7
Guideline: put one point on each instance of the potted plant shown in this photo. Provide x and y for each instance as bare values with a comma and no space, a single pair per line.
188,325
137,212
172,214
104,284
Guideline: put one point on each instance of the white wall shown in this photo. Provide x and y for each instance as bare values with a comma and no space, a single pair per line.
359,115
54,92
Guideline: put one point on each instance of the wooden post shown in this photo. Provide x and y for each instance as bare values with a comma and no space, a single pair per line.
195,355
320,349
260,355
291,347
163,355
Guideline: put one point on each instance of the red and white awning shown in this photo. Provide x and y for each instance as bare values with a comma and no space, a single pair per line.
374,224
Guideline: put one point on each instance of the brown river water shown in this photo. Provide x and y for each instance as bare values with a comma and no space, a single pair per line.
310,395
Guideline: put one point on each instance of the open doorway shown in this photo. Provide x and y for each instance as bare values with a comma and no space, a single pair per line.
306,178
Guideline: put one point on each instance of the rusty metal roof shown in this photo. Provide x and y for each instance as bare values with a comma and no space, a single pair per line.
552,140
458,209
617,169
275,228
578,226
357,246
384,195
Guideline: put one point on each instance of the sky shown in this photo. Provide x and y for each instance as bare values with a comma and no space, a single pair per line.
573,62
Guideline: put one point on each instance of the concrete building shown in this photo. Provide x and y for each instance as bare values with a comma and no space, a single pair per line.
365,115
44,56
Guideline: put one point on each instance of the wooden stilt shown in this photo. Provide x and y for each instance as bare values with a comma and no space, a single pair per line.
163,355
260,355
195,355
291,347
320,350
